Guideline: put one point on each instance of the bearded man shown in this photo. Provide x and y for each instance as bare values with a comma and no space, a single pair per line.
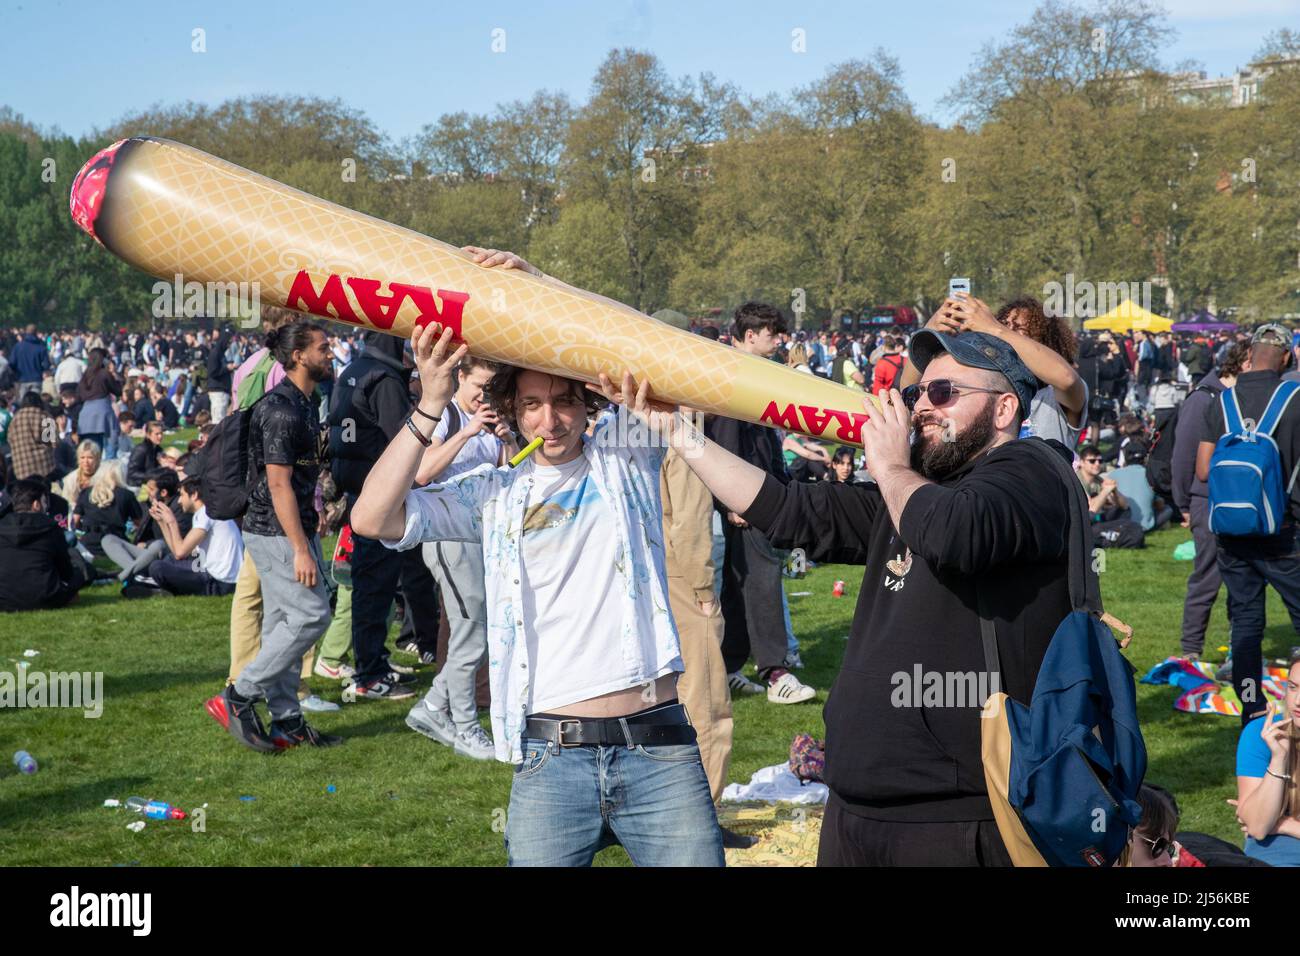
965,520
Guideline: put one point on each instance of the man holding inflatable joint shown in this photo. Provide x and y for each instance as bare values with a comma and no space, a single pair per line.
583,653
964,519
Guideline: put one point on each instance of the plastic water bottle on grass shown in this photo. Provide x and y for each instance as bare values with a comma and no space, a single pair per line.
25,762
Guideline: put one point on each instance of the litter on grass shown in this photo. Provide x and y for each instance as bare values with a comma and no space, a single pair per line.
247,798
136,827
31,653
775,784
110,802
801,594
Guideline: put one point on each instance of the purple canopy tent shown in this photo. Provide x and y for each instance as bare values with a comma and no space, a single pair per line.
1204,321
1204,327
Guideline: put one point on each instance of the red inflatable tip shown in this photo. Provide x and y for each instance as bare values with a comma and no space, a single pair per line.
88,188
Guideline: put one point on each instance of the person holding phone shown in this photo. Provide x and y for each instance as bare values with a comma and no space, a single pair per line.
1059,409
1268,780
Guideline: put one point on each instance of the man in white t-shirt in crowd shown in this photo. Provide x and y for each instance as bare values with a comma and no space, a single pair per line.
470,434
206,560
583,651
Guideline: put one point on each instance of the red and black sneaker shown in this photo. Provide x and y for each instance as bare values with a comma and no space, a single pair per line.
241,720
291,733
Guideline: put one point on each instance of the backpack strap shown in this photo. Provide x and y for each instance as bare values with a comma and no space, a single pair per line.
1232,424
989,637
1085,590
1277,404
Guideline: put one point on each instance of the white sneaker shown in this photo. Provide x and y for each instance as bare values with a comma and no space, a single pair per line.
317,705
789,690
342,672
476,743
740,684
400,668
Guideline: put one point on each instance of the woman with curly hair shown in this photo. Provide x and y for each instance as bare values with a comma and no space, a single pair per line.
1044,343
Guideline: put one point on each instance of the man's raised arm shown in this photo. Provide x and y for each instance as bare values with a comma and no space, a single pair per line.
734,482
380,511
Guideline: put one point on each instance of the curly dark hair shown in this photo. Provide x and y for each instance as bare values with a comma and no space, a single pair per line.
1234,360
1052,331
501,387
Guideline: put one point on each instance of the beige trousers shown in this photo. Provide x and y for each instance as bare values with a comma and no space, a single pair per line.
702,689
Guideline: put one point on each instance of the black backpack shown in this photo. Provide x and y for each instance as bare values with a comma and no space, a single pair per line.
1160,469
225,478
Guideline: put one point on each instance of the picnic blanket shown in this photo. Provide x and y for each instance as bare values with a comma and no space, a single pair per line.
1200,693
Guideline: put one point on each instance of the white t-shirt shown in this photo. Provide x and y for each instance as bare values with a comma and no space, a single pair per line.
483,449
69,371
223,548
572,612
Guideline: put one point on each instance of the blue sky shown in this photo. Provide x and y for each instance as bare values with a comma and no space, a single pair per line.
79,65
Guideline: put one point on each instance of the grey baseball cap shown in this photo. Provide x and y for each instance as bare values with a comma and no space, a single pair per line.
977,350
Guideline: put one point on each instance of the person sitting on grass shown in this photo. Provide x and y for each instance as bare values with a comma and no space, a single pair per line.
89,461
144,459
163,409
121,444
105,508
1268,778
150,545
205,561
37,568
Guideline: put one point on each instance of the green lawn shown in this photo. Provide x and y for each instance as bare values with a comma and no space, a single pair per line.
399,798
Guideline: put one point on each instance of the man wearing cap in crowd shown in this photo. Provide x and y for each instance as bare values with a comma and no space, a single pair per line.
964,519
1248,564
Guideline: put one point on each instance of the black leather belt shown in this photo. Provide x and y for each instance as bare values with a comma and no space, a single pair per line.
665,725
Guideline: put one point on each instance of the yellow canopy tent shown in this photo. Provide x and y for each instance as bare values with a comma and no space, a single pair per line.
1129,315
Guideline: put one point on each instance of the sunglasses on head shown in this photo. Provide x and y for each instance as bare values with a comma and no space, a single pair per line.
940,391
1160,846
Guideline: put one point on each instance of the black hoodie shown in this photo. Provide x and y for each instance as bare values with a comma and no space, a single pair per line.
992,534
35,568
371,400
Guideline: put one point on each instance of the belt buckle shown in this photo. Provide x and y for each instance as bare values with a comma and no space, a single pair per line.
561,732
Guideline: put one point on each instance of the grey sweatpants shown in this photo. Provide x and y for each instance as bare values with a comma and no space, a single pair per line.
293,619
132,558
458,569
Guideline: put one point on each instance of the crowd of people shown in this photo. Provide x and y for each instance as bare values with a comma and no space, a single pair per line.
607,600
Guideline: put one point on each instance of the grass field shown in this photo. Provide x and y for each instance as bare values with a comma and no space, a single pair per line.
399,798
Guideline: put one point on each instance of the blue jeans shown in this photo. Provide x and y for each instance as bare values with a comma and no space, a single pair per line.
1247,566
568,803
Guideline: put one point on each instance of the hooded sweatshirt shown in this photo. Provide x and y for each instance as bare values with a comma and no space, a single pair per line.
34,562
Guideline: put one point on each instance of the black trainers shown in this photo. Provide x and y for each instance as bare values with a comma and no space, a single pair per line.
286,734
383,688
240,718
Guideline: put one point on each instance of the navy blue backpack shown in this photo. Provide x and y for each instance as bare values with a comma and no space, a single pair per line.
1064,772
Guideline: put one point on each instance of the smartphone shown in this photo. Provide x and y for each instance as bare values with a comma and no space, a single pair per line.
956,286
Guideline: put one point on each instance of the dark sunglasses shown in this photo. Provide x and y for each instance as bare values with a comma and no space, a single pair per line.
1159,846
940,391
1092,461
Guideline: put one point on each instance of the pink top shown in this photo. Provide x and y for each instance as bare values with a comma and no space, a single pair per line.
273,377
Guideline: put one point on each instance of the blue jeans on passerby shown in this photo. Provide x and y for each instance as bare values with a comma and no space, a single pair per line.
1247,566
567,803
